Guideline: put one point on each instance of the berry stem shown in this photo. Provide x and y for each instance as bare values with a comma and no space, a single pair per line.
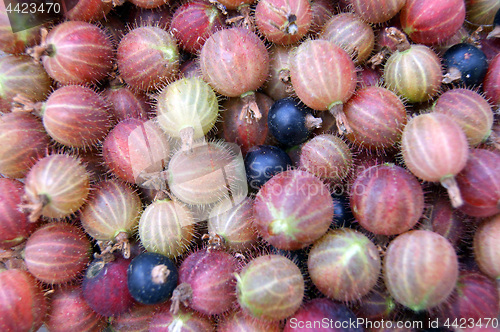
24,104
399,38
154,180
181,294
159,274
219,6
451,186
250,109
452,75
34,208
336,109
475,37
284,76
37,52
378,58
313,122
244,20
123,244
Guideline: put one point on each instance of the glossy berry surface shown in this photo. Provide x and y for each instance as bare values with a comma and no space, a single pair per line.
287,122
151,278
470,61
342,214
264,161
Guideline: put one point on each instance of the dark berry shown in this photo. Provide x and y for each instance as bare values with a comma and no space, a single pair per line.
264,161
342,212
466,64
290,122
151,278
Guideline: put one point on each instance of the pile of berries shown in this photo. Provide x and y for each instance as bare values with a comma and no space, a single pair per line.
241,165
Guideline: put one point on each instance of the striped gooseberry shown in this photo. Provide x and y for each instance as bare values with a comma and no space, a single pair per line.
470,110
57,253
235,62
412,71
76,116
166,227
187,109
76,52
337,257
387,199
435,149
350,32
112,213
148,58
136,151
270,288
420,269
324,78
283,22
55,187
23,141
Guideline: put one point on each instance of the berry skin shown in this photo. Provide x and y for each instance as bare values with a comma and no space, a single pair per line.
104,287
264,161
151,278
465,63
287,120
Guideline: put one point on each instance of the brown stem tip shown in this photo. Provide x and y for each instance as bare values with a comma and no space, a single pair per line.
159,274
121,243
336,110
453,191
214,241
399,38
378,58
250,109
284,76
21,103
313,122
37,52
181,294
34,208
219,6
244,19
452,75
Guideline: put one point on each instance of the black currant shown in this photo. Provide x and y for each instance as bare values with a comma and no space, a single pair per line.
290,122
151,278
465,63
264,161
342,213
